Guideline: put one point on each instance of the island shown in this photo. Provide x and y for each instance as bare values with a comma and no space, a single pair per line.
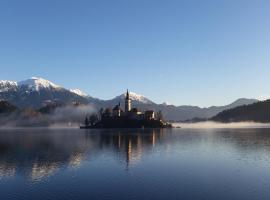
127,118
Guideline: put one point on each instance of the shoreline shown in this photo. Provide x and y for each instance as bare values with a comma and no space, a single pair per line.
197,125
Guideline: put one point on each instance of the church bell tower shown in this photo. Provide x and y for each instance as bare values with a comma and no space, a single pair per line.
127,103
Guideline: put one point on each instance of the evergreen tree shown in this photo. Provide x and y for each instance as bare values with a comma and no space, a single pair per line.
107,113
86,121
93,119
100,113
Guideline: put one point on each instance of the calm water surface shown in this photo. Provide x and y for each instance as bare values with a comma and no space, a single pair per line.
135,164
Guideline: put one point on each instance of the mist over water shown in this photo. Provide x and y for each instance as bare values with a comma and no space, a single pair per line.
65,116
216,125
72,113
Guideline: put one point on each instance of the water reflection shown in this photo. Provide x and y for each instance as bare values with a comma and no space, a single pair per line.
129,145
40,153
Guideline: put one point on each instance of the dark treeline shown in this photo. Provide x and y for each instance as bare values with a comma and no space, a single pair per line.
6,107
257,112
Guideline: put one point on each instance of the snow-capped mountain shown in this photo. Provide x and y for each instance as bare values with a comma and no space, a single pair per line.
36,84
33,84
135,97
137,100
37,92
78,92
6,86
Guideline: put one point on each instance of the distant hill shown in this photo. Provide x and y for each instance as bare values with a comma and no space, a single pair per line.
257,112
176,113
38,92
182,113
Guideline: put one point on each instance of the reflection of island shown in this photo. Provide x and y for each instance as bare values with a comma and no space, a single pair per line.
42,153
131,147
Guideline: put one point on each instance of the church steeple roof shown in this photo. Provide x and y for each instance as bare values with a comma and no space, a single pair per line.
127,95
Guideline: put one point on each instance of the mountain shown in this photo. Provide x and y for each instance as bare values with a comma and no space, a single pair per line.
37,84
79,92
8,86
137,100
182,113
214,110
38,92
176,113
257,112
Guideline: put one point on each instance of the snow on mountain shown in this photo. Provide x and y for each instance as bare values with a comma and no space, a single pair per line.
6,86
23,94
36,92
136,97
35,84
78,92
167,104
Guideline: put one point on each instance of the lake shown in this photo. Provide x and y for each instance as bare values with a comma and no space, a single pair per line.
135,164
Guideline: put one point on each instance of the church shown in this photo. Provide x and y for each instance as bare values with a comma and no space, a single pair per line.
132,113
129,117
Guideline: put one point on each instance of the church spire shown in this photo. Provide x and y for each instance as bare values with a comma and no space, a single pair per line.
127,95
127,103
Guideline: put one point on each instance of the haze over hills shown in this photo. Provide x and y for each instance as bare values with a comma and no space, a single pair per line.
37,92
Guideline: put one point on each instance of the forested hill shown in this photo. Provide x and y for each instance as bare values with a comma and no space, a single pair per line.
257,112
6,107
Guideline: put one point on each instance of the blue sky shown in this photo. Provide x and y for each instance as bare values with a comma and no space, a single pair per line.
192,52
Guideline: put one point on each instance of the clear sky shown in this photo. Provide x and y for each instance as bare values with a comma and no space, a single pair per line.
193,52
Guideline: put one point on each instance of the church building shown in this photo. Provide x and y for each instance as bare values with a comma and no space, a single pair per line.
130,112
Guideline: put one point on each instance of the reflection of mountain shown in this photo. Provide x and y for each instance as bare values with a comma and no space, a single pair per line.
37,154
41,153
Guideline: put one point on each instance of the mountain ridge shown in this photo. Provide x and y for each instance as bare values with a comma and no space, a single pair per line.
36,92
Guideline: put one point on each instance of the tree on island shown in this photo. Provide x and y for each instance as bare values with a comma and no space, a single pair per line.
93,119
86,121
159,116
107,113
100,113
